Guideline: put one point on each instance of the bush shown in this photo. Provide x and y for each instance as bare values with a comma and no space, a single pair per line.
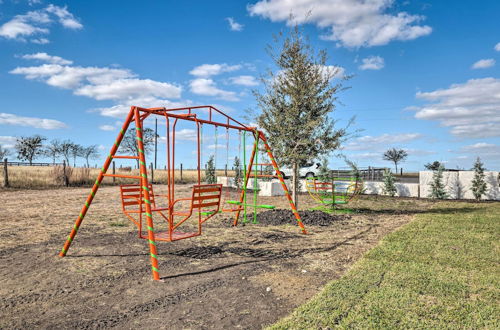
478,184
58,174
210,175
389,183
437,187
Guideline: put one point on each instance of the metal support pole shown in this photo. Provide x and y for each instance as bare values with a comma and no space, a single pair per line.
90,197
147,200
114,172
156,145
65,176
152,173
5,174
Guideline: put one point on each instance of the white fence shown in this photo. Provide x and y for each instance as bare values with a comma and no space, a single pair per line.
457,184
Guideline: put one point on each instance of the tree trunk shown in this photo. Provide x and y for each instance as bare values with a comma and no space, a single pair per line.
396,164
295,196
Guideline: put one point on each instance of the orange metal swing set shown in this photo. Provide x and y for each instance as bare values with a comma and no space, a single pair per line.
139,200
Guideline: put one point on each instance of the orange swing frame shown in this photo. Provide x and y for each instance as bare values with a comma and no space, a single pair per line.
142,195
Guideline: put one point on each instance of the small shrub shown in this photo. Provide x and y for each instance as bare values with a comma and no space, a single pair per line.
389,183
210,175
324,173
58,174
237,173
80,176
437,187
478,184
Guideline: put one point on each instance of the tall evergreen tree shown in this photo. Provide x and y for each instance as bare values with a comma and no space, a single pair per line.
297,102
437,187
478,184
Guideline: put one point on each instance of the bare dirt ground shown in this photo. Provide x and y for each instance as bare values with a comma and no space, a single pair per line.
244,277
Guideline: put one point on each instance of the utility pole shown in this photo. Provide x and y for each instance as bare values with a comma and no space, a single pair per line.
156,139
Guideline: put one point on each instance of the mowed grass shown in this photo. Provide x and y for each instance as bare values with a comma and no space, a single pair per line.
439,271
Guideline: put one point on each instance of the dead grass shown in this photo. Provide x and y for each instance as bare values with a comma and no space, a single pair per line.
30,177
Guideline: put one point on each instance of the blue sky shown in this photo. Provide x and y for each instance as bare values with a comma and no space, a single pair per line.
426,73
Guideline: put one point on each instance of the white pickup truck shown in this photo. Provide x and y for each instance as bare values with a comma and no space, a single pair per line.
308,170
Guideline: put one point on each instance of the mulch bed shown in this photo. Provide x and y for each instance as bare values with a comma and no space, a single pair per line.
284,217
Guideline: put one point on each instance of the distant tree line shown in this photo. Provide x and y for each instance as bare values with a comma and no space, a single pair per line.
29,148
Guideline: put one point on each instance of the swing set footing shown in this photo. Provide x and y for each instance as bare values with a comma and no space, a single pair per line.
176,235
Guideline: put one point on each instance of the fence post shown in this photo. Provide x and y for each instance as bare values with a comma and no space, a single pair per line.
5,174
152,173
401,171
225,171
114,172
65,176
181,173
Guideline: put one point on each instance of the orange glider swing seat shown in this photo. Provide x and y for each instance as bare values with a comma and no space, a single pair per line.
205,199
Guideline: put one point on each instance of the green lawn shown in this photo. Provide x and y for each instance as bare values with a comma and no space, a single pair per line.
440,271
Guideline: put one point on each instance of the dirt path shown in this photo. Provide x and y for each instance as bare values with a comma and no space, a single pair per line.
247,277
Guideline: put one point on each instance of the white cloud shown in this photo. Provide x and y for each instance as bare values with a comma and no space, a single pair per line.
65,17
129,88
368,142
40,41
104,83
333,71
352,23
480,146
100,83
483,64
497,47
44,57
71,77
216,146
121,109
366,155
107,127
7,141
186,134
233,25
470,109
11,119
244,80
207,87
372,63
207,70
486,151
36,23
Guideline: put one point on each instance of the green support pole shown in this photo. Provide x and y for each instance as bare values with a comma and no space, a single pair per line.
255,183
245,220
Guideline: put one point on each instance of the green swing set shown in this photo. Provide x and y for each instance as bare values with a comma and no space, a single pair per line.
244,205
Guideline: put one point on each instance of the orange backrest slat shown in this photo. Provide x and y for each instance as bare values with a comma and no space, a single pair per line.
201,205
